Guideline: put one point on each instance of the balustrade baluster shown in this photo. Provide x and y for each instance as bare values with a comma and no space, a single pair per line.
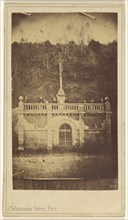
66,106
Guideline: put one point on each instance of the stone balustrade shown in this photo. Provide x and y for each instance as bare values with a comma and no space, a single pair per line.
69,107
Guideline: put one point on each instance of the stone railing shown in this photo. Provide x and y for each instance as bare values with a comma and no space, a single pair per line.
66,107
34,106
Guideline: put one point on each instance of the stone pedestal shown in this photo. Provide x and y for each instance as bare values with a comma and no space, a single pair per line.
61,96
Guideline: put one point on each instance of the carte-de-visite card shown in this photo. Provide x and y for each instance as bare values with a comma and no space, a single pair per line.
64,109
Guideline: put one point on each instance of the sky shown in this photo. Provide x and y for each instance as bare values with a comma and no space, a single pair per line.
64,27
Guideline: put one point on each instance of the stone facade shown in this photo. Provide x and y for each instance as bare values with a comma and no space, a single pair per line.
61,124
39,124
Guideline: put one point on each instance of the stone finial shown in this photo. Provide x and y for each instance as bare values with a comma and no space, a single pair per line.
21,98
102,100
41,99
21,104
92,100
54,99
84,101
107,99
107,104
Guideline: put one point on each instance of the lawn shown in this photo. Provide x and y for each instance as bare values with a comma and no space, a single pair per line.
93,171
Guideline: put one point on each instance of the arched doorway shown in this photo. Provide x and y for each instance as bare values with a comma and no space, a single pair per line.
65,136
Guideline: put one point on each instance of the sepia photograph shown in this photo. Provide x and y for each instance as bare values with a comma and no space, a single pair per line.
64,101
64,109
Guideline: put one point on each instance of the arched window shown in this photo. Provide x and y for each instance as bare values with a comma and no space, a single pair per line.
65,136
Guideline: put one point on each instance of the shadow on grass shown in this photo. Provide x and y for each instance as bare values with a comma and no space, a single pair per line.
87,149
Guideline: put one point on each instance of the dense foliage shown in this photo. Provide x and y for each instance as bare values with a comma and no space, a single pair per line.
89,71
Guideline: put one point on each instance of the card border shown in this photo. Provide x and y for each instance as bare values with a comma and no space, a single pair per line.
121,96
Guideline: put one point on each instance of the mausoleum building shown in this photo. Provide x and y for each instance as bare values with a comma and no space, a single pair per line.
62,124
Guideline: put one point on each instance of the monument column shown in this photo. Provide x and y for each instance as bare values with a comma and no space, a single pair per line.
61,94
20,125
60,72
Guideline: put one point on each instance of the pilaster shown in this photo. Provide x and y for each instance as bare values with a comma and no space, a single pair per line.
81,129
108,114
20,125
49,132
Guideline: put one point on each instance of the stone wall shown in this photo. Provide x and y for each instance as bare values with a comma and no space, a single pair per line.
39,120
35,136
38,125
35,139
